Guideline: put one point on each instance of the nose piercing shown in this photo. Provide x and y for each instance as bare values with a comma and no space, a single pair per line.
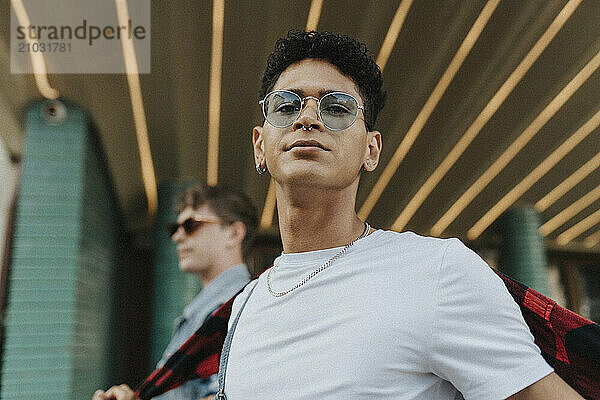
304,128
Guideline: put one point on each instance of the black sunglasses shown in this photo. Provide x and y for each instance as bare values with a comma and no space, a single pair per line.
191,225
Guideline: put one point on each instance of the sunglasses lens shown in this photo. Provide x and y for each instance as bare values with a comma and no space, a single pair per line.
189,226
338,110
172,228
282,108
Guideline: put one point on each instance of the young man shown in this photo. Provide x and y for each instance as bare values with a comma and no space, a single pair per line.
214,229
349,312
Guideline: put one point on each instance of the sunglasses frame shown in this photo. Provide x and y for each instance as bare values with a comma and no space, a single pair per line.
302,102
199,220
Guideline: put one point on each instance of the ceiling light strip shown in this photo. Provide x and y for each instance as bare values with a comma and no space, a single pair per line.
266,219
471,133
214,92
314,14
558,154
577,229
538,172
137,105
430,104
38,62
566,185
592,240
569,212
392,34
524,138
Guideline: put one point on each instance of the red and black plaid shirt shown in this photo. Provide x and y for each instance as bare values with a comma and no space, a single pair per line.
569,343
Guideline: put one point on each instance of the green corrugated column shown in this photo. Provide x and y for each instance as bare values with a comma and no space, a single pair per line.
65,248
173,289
590,275
522,250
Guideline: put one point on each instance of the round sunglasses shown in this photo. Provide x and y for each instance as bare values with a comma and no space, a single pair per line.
337,110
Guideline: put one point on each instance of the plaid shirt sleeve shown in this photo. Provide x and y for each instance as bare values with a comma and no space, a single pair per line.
198,357
569,342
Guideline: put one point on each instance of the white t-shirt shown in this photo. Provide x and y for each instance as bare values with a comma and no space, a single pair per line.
399,316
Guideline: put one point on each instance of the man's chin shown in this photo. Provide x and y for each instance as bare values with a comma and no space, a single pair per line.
183,267
305,179
303,171
313,178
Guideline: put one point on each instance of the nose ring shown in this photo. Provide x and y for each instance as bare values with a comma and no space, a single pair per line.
304,128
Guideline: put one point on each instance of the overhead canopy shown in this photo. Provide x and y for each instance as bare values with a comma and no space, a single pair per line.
490,104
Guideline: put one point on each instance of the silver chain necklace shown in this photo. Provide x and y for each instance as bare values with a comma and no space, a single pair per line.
316,271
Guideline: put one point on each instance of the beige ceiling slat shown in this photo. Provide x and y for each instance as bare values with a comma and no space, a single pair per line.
11,133
38,62
214,92
314,15
392,34
548,112
561,218
592,165
592,240
266,220
579,228
139,115
471,133
417,126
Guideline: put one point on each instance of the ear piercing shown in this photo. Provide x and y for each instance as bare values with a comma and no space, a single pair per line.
261,169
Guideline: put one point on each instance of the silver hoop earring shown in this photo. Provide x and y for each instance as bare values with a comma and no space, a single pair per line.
260,169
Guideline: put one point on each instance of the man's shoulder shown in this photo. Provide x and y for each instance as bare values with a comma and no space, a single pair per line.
220,290
427,255
411,241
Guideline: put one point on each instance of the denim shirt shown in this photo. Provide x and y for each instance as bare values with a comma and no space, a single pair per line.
217,292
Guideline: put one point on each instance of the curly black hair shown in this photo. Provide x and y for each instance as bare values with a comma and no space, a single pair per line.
347,54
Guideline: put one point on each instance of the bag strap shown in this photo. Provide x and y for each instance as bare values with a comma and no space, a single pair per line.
226,347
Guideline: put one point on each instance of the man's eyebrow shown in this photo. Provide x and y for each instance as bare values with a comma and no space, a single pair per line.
299,92
322,92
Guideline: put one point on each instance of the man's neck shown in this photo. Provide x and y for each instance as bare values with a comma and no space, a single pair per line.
212,273
314,219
